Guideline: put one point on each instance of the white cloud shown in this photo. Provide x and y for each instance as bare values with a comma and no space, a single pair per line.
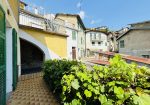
82,14
96,21
78,5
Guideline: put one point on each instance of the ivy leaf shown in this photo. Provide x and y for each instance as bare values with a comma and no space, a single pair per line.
75,84
143,99
64,88
109,102
135,99
118,90
101,75
102,88
111,83
139,91
88,93
75,102
120,96
79,95
102,99
95,76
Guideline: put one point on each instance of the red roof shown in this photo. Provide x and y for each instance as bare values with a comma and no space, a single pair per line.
128,57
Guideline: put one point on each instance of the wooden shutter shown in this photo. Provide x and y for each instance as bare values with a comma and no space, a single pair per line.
15,68
2,58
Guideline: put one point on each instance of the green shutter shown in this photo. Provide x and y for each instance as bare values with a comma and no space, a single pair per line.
15,68
2,58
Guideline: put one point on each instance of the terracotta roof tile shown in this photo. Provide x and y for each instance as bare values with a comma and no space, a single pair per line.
128,57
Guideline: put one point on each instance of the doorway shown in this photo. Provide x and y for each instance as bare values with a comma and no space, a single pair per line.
32,58
74,53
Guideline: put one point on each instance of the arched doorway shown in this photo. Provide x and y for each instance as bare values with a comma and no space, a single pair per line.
32,57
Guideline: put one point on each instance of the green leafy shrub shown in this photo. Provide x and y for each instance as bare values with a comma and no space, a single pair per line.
117,84
54,71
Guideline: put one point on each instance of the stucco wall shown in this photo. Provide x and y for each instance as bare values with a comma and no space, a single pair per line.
80,34
102,46
14,4
10,18
137,42
81,46
70,19
11,10
58,44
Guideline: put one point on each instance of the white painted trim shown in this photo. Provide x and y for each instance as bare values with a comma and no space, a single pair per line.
48,53
9,65
18,55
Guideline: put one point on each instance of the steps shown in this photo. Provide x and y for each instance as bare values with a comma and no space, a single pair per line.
32,90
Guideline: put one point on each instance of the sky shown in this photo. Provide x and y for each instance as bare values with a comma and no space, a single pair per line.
114,14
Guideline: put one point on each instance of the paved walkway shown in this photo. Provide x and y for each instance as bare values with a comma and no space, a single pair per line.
32,90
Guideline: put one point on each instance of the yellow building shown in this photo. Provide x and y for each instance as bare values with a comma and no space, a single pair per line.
26,40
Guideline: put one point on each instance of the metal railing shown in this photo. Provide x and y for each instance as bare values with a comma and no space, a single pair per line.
40,22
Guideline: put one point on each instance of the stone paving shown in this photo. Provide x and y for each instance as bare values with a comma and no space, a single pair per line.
32,90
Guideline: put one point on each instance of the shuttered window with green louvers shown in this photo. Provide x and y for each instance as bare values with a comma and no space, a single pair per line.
15,68
2,58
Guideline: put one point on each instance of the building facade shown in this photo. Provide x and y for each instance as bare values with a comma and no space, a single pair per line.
26,40
9,48
136,41
96,41
76,39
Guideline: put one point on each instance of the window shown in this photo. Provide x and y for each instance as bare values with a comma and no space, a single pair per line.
91,36
95,36
146,56
105,43
99,36
99,43
93,43
73,35
81,40
122,44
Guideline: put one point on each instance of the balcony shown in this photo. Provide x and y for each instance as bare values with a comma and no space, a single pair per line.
42,22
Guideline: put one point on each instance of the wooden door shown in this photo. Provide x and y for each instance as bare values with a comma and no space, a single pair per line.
73,53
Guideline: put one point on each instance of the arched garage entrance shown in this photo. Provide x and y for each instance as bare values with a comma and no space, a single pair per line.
32,57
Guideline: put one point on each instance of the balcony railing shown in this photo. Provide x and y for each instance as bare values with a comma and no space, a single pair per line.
38,21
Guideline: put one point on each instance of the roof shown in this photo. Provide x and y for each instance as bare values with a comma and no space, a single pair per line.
128,57
94,30
133,28
123,34
38,29
74,15
24,3
140,22
30,13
